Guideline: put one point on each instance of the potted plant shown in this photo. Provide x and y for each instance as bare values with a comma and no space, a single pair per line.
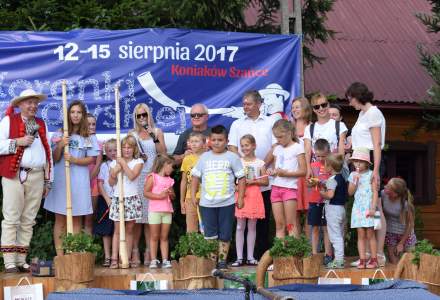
75,269
293,262
196,261
422,265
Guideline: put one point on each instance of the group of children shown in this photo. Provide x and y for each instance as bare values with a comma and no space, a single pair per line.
218,186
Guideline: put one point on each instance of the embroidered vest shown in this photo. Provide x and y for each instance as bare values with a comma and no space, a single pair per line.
10,163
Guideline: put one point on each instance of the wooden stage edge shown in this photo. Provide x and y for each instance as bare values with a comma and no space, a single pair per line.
119,279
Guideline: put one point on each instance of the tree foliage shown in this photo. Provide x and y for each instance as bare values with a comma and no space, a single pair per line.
58,15
431,62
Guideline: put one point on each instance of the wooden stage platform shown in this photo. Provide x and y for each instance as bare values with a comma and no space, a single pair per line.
119,279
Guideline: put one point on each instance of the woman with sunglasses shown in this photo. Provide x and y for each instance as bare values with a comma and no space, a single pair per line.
150,140
324,128
369,132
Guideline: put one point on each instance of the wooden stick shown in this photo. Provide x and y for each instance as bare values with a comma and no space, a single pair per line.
69,216
122,243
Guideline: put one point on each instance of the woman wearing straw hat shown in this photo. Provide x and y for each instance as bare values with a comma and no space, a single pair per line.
25,164
369,132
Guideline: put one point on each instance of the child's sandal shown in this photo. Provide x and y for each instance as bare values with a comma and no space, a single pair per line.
372,264
237,263
362,264
114,264
106,262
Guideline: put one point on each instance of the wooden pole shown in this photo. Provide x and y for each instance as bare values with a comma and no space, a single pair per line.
69,217
122,243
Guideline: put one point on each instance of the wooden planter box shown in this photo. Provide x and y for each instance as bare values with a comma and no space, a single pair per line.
192,272
288,270
428,272
74,271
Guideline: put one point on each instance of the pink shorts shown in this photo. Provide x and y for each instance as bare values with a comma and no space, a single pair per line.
281,194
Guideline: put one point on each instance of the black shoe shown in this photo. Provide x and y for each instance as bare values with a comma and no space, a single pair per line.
222,265
24,268
237,263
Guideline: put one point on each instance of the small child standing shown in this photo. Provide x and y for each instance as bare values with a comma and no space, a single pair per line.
130,165
316,217
217,170
364,206
159,190
253,209
335,194
103,225
94,171
196,143
290,163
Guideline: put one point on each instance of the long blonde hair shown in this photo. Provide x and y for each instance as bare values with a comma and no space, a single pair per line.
403,193
150,119
286,126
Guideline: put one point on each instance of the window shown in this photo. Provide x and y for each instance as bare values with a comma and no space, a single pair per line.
414,162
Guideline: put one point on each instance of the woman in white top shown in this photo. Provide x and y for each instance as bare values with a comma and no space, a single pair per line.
324,128
369,132
150,141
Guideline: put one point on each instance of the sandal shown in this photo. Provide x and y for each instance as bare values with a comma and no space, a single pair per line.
135,259
106,262
147,258
372,264
252,262
237,263
114,264
362,264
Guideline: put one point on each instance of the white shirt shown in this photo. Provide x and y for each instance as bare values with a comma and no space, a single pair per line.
130,187
34,155
104,174
360,133
286,158
261,129
325,131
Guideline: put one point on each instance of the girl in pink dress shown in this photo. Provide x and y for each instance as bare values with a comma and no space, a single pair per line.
253,200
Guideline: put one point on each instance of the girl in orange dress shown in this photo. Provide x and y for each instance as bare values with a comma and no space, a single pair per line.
301,117
253,201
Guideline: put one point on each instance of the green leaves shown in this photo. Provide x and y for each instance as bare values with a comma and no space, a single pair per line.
291,246
79,242
423,246
195,244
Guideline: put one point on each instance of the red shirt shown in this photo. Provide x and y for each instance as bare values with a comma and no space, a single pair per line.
318,171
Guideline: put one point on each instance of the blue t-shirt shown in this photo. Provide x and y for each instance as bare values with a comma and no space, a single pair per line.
217,172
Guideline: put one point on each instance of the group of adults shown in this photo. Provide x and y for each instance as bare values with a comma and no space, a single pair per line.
26,164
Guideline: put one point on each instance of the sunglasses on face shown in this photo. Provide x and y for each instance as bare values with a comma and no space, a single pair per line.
197,115
142,115
322,105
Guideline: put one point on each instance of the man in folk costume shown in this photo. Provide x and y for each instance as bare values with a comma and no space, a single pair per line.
25,165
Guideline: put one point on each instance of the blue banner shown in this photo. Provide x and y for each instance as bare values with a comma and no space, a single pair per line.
169,69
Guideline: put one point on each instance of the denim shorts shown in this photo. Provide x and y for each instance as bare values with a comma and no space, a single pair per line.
218,222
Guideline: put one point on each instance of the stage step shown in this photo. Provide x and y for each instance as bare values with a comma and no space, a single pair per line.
119,279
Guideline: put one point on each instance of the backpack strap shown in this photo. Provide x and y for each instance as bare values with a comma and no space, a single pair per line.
312,129
338,128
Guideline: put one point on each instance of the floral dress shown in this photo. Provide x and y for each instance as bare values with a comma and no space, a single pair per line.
362,200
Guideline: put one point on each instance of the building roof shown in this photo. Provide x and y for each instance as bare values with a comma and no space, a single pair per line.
376,43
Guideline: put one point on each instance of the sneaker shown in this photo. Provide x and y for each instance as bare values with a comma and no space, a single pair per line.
222,265
166,264
335,264
356,262
154,264
381,259
327,259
